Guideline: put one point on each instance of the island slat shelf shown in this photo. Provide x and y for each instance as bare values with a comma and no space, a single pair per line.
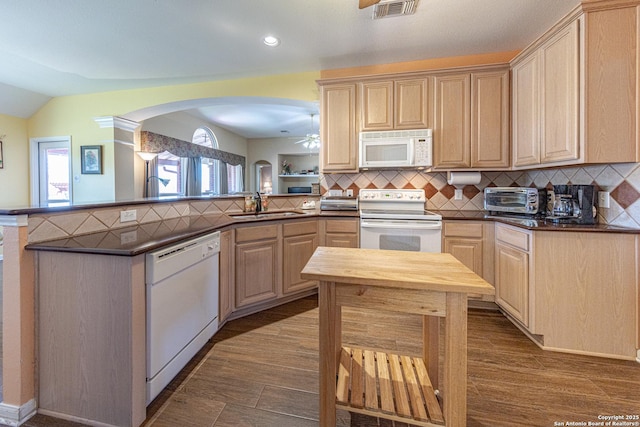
432,285
387,385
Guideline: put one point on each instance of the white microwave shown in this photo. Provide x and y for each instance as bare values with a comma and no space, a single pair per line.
396,149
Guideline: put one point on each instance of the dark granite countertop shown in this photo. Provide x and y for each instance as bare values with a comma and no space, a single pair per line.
534,224
142,238
138,239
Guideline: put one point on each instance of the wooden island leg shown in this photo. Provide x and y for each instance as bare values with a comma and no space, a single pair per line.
431,347
330,347
455,361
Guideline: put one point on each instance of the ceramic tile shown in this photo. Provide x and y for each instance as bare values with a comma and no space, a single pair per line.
91,225
625,194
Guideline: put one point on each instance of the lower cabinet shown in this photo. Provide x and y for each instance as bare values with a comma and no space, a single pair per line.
298,244
343,232
257,269
512,253
471,242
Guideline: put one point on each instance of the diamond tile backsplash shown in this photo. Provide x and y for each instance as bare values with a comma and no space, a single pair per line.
621,180
48,226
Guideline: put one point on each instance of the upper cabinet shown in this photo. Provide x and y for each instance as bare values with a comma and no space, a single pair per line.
575,90
338,130
472,120
546,85
611,82
395,104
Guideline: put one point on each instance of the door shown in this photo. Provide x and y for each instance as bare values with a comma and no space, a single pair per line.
51,171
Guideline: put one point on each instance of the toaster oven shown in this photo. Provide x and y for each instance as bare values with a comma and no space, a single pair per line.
517,200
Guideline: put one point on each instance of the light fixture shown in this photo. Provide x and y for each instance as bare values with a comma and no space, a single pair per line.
312,140
147,157
271,41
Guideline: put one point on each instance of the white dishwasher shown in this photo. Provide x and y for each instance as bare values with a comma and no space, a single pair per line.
182,306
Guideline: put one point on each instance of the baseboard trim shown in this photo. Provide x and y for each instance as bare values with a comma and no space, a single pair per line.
15,416
638,356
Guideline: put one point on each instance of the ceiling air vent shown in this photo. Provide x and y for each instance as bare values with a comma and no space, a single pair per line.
389,8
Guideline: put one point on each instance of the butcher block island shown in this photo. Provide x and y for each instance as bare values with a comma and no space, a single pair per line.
378,383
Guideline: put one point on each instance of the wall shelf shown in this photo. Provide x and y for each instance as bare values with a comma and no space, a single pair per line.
300,175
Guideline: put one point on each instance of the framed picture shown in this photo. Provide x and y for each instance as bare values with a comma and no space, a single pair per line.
91,158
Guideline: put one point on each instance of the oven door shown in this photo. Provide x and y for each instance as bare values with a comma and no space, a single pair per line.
401,235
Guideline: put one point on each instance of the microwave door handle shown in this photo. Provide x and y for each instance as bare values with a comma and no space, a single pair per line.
422,225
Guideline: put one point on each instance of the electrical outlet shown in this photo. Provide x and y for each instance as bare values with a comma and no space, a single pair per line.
457,194
126,216
349,192
335,192
128,237
603,199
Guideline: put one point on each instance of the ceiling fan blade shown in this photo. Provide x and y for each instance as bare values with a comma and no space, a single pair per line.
366,3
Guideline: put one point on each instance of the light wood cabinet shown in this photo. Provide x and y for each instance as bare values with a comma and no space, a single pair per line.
512,271
490,119
344,232
452,130
472,120
258,264
546,101
472,243
611,82
585,292
338,128
395,104
299,242
227,274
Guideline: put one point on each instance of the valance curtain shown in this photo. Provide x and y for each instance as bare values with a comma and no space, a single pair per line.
157,143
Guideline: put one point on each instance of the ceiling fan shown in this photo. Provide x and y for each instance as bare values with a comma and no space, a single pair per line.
311,140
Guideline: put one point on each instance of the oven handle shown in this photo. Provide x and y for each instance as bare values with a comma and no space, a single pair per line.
415,225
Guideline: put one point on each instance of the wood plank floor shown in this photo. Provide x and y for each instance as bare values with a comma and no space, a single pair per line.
262,370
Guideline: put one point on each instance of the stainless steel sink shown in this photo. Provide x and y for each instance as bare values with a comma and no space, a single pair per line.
268,214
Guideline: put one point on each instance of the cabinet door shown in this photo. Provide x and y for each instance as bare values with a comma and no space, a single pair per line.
412,103
525,111
466,250
376,105
257,265
512,282
226,274
296,252
452,141
490,119
560,96
338,131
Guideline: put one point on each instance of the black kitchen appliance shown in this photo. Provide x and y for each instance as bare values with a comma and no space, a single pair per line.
572,204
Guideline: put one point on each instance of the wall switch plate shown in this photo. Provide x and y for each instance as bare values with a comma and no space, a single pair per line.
457,194
335,193
349,192
126,216
604,199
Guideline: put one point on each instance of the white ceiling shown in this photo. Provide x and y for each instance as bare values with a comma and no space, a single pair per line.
62,47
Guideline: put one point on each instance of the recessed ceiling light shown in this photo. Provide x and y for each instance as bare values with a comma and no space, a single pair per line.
271,41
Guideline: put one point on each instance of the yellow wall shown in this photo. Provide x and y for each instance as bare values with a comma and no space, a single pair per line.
74,115
14,176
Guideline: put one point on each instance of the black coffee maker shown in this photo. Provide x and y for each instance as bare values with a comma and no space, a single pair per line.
572,204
